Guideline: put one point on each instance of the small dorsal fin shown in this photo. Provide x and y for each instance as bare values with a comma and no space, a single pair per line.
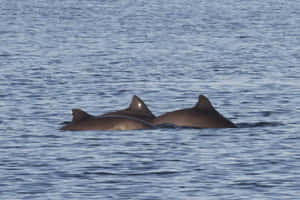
203,103
137,105
79,115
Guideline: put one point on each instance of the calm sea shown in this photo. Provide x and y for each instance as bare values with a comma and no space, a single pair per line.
95,54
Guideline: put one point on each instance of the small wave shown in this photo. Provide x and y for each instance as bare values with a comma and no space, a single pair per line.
252,184
64,174
5,54
153,173
259,124
133,174
39,136
103,173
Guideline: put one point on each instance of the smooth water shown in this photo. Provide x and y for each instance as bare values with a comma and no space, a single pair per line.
94,55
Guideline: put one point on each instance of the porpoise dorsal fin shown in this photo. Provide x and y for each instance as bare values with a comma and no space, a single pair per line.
137,105
203,103
79,115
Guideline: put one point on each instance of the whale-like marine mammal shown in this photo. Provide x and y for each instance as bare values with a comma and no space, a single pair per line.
83,121
202,115
137,109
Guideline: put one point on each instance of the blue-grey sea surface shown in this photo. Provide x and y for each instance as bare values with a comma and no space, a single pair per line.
96,54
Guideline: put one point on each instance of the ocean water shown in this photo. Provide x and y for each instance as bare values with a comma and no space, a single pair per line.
95,55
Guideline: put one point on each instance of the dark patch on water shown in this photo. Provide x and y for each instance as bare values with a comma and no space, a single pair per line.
64,123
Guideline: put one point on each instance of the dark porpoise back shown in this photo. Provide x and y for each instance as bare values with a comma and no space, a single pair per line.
136,109
84,121
202,115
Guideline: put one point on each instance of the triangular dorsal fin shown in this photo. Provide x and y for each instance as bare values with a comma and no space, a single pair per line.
79,115
137,105
203,103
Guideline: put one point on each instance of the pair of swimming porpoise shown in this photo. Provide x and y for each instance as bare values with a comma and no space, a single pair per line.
138,116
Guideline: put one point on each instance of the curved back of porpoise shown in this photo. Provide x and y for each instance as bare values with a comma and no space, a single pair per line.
84,121
202,115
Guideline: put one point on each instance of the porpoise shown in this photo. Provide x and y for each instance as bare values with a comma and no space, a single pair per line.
202,115
83,121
